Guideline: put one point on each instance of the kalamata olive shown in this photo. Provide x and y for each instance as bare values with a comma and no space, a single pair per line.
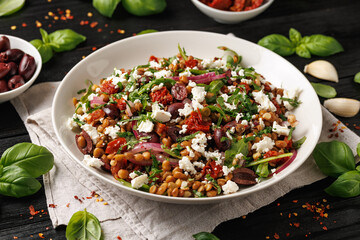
179,91
218,135
13,68
173,109
244,176
87,145
4,43
112,111
11,55
173,133
27,66
4,69
3,86
15,82
229,125
154,138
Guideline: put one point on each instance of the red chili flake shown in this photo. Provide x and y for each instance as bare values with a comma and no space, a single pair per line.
47,228
121,31
67,205
93,48
13,27
24,25
106,25
99,30
119,238
77,198
93,24
60,11
278,204
56,18
82,23
41,235
38,24
357,127
296,224
341,130
49,25
32,210
88,197
289,215
243,217
287,234
336,134
15,237
276,236
111,32
325,228
63,17
51,205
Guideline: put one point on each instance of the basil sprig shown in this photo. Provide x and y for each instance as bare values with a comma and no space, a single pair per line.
323,90
317,44
357,77
106,7
8,7
205,236
20,165
336,159
58,41
83,225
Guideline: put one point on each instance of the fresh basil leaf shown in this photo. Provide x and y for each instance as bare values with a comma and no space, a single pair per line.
334,158
44,49
302,51
44,35
144,7
65,39
323,90
17,182
1,169
205,236
321,45
347,185
83,226
8,7
278,43
295,36
36,160
262,170
106,7
236,147
357,77
358,149
357,168
147,31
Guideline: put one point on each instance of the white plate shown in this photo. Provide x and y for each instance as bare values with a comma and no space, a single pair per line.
134,51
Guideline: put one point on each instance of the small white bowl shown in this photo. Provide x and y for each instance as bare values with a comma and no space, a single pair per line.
229,17
28,48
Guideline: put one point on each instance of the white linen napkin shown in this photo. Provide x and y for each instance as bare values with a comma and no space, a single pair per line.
132,217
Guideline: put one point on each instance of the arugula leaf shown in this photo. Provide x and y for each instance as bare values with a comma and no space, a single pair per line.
169,151
188,137
293,102
236,147
213,181
182,52
297,144
262,170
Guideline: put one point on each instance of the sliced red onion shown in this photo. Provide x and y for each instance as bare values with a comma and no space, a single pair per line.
136,133
287,163
96,101
204,78
144,146
128,109
163,157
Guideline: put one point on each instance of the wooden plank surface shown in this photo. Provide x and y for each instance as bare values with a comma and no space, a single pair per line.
289,216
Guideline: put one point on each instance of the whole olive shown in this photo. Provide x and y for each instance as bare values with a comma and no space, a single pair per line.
218,135
11,55
112,111
3,86
173,133
4,69
13,68
15,82
154,138
27,66
173,109
4,43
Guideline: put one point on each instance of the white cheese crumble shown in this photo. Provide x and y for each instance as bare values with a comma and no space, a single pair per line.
184,185
184,129
148,74
238,117
92,132
133,175
186,110
192,84
264,145
160,115
280,130
199,143
214,155
157,87
92,162
186,73
264,101
111,131
139,181
227,170
186,165
176,120
191,152
135,74
154,64
292,94
163,73
199,164
91,96
247,81
146,126
244,122
230,187
199,94
71,124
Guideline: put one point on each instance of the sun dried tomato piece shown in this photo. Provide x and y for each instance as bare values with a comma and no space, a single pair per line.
121,103
161,129
108,87
238,5
161,96
95,116
195,123
153,58
254,4
247,87
213,169
114,145
191,63
220,4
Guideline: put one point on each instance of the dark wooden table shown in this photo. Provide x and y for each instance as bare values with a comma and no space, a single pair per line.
303,213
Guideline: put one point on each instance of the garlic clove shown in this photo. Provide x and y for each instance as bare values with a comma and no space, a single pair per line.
344,107
323,70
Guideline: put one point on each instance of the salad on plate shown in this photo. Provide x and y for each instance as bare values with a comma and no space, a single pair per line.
187,127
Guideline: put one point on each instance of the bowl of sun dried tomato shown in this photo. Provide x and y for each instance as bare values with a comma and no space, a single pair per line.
232,11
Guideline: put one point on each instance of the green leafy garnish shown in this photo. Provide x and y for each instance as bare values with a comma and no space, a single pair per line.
236,147
84,225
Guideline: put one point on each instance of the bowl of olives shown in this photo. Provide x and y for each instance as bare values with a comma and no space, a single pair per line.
20,64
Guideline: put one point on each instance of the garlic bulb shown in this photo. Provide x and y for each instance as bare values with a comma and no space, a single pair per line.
344,107
323,70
